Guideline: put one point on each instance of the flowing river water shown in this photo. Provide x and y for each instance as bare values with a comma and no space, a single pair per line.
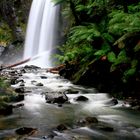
36,113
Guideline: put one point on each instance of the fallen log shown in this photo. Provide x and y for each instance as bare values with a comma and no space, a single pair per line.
56,69
16,64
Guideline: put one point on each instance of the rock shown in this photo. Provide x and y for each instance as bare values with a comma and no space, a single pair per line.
71,91
59,105
20,90
61,127
43,77
39,84
13,81
134,103
18,105
31,67
22,85
106,128
20,97
81,98
111,102
6,109
87,121
33,82
91,120
58,98
26,131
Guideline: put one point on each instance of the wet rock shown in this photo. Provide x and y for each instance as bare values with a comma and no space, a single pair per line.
6,109
20,80
26,131
106,128
59,98
43,77
59,105
39,84
13,81
33,82
13,73
61,127
22,85
18,105
20,90
22,70
71,91
91,120
134,103
81,98
87,121
20,97
31,67
112,102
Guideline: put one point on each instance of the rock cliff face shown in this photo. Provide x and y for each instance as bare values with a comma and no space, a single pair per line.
14,17
14,13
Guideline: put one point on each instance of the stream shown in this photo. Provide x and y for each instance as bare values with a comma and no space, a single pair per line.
115,121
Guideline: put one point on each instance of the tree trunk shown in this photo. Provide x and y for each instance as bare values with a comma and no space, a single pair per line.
124,3
72,7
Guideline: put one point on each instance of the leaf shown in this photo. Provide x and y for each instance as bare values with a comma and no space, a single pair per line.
121,57
111,57
129,72
134,63
108,37
113,68
100,53
137,47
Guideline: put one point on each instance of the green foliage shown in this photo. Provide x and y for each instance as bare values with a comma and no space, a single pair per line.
105,35
121,23
134,8
80,34
111,57
7,94
3,84
5,35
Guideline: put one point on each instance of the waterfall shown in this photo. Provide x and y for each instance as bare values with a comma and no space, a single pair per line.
41,32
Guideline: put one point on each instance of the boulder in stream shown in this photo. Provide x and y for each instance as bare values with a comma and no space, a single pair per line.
71,91
20,90
87,121
61,127
26,131
5,109
81,98
57,97
39,84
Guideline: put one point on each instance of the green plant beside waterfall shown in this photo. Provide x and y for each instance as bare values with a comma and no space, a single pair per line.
7,94
105,34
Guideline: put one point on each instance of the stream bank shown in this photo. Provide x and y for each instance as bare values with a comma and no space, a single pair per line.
54,108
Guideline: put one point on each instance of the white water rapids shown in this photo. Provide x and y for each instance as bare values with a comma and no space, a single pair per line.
115,122
41,32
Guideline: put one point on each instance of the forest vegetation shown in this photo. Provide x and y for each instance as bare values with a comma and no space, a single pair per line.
102,41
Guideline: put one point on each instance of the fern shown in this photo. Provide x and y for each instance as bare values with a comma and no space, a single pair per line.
121,23
84,33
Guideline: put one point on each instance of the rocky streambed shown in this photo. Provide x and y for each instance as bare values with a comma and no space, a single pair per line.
52,108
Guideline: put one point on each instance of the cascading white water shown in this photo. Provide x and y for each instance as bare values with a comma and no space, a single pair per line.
41,32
